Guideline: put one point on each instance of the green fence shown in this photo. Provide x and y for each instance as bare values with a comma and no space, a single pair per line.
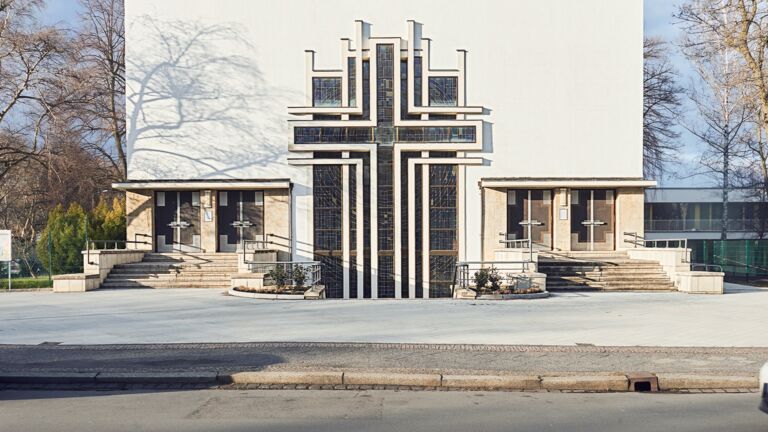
738,258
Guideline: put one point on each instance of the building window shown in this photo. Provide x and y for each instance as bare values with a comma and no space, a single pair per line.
326,92
417,81
437,134
352,81
443,229
327,205
443,91
336,135
385,84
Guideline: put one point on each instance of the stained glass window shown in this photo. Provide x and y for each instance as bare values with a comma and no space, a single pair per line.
326,92
352,77
443,91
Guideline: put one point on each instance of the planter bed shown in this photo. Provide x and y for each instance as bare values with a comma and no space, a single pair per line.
523,296
272,293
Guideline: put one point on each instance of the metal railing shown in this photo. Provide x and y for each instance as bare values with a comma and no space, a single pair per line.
701,225
640,241
510,272
116,245
312,270
251,246
706,267
514,243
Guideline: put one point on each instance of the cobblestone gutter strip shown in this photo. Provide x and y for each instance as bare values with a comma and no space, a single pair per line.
336,380
412,346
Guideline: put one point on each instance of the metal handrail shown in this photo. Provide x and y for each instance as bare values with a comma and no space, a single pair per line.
706,267
516,243
638,240
93,243
259,245
735,263
313,269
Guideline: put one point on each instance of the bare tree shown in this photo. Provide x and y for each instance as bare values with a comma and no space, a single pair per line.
30,55
722,101
100,113
742,26
661,108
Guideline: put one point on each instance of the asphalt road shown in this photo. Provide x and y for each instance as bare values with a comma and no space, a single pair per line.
317,411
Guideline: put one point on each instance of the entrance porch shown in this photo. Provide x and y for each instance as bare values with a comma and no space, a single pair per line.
209,216
560,215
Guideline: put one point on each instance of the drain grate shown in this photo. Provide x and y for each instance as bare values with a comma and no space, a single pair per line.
643,382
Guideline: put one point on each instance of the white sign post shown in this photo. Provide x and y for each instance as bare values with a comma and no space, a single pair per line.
5,251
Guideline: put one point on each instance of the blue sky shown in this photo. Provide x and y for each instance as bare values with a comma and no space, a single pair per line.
61,11
659,22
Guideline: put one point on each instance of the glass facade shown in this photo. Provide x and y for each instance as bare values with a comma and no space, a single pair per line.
353,232
417,77
702,217
386,134
437,134
326,92
385,96
443,91
435,193
443,234
327,206
352,81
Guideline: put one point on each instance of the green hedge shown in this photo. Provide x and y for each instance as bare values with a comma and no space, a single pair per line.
26,283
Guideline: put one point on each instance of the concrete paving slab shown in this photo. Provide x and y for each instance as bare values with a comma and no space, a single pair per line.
202,316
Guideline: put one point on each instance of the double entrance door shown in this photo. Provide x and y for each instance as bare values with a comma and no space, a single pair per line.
240,218
529,217
177,221
592,219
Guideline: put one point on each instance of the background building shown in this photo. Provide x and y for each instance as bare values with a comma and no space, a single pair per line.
696,214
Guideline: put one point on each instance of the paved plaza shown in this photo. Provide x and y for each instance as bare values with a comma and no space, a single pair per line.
193,316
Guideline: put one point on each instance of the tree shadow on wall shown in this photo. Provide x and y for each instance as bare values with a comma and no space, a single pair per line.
198,105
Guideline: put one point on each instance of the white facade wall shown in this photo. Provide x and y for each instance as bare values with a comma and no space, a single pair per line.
562,80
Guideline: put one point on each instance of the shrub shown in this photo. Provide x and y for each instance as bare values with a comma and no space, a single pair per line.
108,223
68,230
299,275
488,279
279,276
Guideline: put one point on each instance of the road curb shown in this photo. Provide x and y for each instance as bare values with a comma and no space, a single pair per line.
385,379
509,382
157,378
590,382
670,381
598,383
278,377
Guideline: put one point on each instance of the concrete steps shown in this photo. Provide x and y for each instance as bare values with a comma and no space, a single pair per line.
174,270
602,271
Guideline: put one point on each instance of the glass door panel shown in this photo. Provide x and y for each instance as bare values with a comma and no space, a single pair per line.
592,219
